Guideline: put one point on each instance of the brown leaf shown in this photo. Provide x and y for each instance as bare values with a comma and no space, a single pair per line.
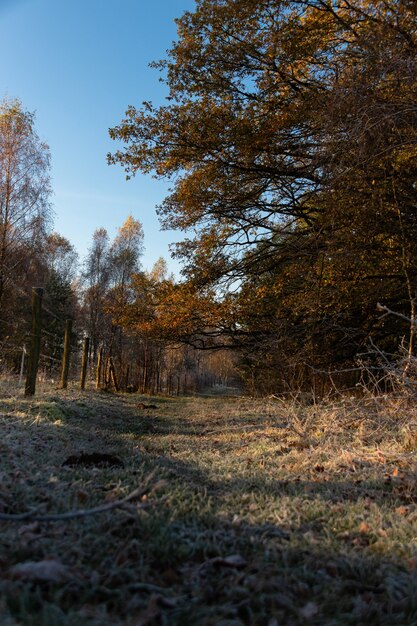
412,563
48,571
82,496
170,576
364,527
112,495
402,510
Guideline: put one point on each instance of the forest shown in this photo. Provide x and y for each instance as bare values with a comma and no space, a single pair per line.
289,139
103,296
234,446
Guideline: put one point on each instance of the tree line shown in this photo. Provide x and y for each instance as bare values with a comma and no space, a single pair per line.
94,294
289,140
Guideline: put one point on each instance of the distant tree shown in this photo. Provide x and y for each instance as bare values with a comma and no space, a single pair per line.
125,252
107,275
96,281
125,255
61,299
60,257
159,271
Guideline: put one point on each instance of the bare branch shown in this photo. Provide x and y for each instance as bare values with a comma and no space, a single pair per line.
32,516
387,311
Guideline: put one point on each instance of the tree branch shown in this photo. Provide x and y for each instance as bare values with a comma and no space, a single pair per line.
117,504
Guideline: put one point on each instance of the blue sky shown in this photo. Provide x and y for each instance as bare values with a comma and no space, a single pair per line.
78,64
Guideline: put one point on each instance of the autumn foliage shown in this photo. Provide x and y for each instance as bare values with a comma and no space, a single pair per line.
289,137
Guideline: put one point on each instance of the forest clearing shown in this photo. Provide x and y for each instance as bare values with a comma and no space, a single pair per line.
249,512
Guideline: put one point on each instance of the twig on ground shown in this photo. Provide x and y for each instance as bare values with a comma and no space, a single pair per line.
117,504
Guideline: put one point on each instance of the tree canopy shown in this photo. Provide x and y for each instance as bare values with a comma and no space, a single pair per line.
289,137
261,121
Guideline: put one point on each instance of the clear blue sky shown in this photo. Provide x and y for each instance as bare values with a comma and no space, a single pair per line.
78,64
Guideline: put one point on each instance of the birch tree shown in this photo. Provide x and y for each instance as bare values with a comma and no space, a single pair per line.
24,191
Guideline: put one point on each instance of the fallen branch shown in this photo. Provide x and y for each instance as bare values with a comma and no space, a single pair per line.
117,504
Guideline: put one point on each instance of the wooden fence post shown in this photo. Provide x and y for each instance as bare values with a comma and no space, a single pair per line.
112,374
84,362
99,367
22,363
66,355
35,341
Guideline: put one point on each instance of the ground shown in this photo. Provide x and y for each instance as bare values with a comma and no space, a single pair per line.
257,512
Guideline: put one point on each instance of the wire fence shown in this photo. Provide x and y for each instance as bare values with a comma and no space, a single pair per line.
42,347
39,346
31,346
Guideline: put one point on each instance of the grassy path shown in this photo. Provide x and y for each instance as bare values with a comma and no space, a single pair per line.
270,514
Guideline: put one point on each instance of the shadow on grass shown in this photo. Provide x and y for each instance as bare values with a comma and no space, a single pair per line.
173,565
143,437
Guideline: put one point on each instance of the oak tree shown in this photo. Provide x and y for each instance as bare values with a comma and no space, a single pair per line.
289,137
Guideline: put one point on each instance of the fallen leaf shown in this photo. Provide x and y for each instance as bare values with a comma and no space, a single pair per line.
309,611
234,561
112,495
28,529
48,571
402,510
82,496
170,576
364,527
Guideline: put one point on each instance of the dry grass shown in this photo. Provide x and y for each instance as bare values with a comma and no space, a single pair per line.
272,512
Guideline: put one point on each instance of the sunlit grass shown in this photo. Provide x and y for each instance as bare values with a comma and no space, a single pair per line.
316,503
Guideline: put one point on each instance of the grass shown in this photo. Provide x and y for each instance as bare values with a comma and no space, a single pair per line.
271,513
